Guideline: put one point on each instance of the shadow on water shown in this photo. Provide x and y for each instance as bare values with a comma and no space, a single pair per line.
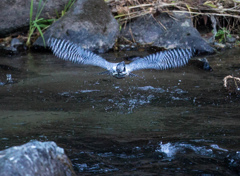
173,122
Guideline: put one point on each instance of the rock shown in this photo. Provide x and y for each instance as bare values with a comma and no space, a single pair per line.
168,32
35,158
201,63
220,46
16,47
206,65
15,42
231,39
15,14
88,23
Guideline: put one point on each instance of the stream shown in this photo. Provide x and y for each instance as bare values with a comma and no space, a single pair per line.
173,122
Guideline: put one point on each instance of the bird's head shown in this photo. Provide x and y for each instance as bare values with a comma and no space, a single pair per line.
120,71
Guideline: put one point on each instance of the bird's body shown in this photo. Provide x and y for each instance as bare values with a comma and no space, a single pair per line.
160,61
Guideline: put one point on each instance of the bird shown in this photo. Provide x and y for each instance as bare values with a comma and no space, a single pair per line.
167,59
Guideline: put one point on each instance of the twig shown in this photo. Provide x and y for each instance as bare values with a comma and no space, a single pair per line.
141,5
200,13
229,77
137,9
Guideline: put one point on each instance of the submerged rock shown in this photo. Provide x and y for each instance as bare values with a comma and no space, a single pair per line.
35,158
89,23
166,31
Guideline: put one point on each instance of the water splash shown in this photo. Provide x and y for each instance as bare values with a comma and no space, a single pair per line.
9,78
171,149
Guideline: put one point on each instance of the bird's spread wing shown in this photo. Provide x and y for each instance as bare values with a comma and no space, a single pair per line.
72,52
162,60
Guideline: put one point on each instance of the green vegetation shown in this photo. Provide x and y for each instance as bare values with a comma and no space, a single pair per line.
237,43
127,10
67,7
222,35
41,24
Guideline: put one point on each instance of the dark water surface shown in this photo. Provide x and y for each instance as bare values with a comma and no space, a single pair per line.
175,122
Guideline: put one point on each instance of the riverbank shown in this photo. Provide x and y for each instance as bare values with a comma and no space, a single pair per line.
217,21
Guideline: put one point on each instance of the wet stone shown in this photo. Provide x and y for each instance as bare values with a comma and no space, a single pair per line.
83,26
14,47
35,158
15,14
166,32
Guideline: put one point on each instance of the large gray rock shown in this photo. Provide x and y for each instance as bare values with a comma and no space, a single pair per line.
88,23
167,32
15,13
35,158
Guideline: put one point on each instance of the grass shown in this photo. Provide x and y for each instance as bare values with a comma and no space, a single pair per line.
41,24
124,11
67,6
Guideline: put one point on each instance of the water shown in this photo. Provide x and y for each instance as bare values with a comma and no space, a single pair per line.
173,122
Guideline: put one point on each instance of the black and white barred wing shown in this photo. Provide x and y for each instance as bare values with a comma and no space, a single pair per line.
72,52
162,60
